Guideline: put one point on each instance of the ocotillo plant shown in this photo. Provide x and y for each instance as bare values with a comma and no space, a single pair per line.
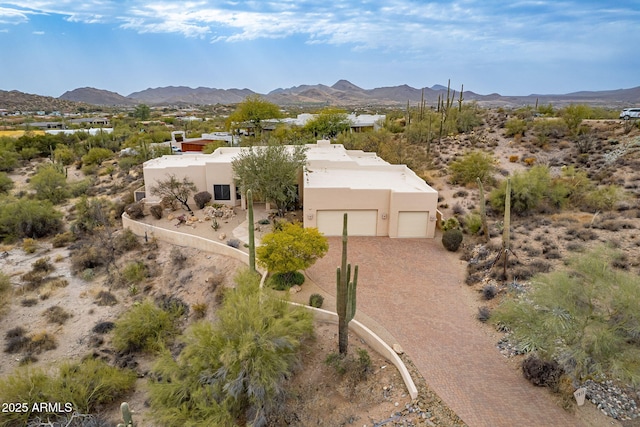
506,232
346,292
483,211
252,241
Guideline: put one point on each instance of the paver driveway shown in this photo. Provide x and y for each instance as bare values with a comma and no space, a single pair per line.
416,290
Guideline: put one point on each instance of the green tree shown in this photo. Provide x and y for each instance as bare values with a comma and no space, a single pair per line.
176,189
64,155
271,173
472,165
50,184
6,183
142,112
96,156
28,218
328,123
8,155
573,115
253,110
585,318
291,249
234,369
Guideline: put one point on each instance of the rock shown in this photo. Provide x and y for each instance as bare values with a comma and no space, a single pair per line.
222,236
295,289
398,348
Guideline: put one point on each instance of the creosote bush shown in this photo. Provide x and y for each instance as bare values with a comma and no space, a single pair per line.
145,327
202,198
452,239
86,385
316,300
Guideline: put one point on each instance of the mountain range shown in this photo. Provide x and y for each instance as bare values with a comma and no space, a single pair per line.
342,93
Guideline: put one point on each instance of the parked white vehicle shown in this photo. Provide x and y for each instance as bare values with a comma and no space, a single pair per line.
630,113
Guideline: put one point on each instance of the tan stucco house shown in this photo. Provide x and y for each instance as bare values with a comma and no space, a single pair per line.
381,199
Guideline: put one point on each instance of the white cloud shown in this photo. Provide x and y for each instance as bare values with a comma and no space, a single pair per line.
403,26
39,33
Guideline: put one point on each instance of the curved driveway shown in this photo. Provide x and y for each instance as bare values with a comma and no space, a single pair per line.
416,290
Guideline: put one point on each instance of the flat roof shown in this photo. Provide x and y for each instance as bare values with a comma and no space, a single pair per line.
397,178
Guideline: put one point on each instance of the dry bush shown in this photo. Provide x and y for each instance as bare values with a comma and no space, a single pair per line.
56,314
105,298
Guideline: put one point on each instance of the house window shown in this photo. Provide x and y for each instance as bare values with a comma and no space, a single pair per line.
221,192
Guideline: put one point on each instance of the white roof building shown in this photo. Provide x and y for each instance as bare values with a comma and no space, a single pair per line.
381,199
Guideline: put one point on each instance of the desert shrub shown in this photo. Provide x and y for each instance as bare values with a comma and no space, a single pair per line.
357,369
283,281
87,385
42,265
234,243
514,158
56,314
156,211
199,310
451,239
514,127
28,218
135,272
584,317
80,188
178,258
135,210
103,327
6,184
144,327
232,369
5,288
62,239
541,373
484,314
92,213
96,155
472,165
88,257
126,241
41,342
603,198
450,224
50,183
547,130
489,292
105,298
528,190
316,300
473,222
202,198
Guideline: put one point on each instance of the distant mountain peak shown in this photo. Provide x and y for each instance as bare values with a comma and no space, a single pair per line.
438,87
346,85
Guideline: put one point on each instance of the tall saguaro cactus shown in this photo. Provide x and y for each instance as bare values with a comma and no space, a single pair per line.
506,232
252,241
483,211
346,294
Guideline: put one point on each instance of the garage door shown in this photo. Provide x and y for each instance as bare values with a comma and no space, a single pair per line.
360,223
413,224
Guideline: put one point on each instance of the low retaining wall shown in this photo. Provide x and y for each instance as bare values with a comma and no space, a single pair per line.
182,239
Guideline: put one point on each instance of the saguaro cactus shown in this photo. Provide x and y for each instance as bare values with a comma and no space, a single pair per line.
346,294
252,241
126,415
506,232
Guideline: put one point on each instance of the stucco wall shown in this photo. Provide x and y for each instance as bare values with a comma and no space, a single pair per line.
346,199
412,202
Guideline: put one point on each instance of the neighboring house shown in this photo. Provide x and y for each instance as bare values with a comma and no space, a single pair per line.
180,142
381,199
361,123
101,121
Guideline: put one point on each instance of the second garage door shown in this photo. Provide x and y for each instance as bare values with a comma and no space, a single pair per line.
360,223
413,224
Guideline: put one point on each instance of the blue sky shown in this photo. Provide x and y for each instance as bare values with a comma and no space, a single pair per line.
509,47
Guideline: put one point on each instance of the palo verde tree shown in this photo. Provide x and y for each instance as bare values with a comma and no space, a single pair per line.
252,111
175,188
329,123
232,370
585,317
290,249
271,172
